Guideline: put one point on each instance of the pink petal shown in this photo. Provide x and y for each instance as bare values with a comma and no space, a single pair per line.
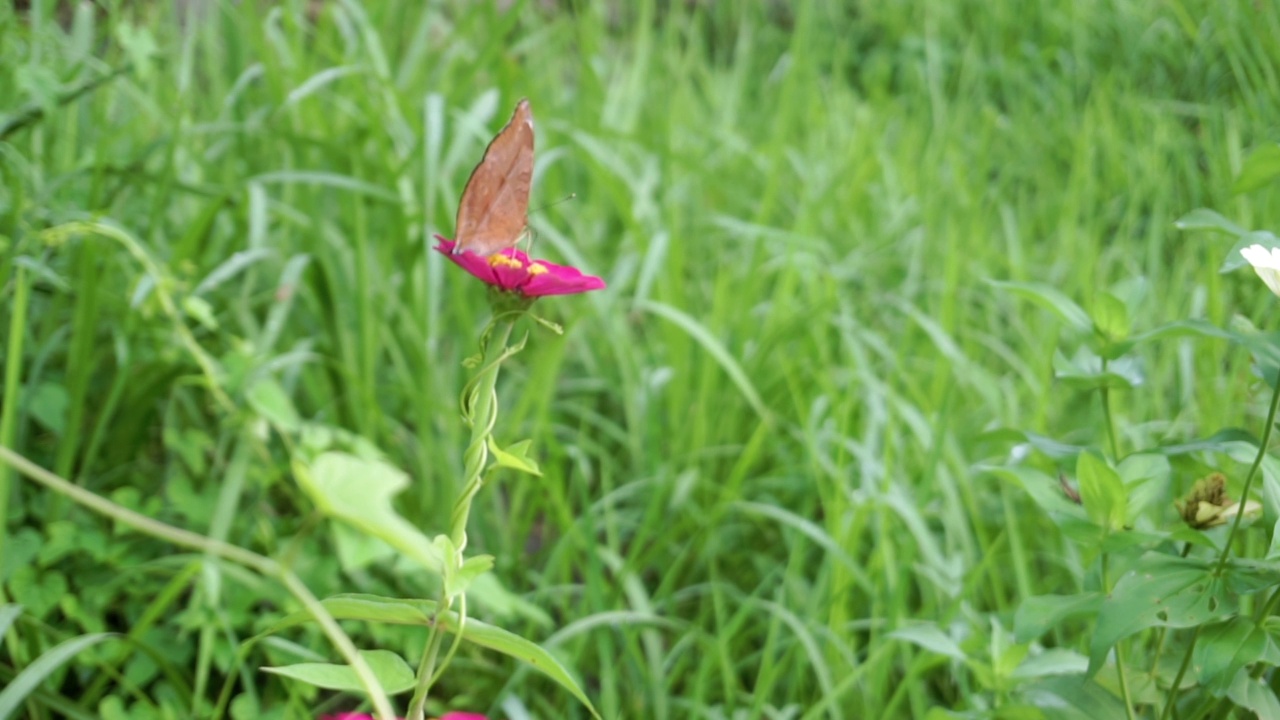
463,716
556,280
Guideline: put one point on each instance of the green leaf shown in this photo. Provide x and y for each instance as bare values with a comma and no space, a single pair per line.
472,568
1073,697
359,492
1159,591
1085,371
1111,317
1205,219
1261,167
1255,695
421,612
515,456
1221,441
1146,480
1055,661
268,399
929,637
1039,614
1224,648
1051,299
1102,492
513,645
12,696
392,672
1175,329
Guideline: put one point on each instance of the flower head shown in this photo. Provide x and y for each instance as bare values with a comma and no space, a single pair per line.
364,716
1265,262
511,270
1207,505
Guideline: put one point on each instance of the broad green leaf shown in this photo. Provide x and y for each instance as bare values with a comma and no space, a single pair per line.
929,637
1111,317
1159,591
1254,694
25,682
1102,492
515,456
1220,441
1146,480
472,568
1205,219
1224,648
1047,493
1260,168
269,400
1039,614
1073,697
1175,329
1051,299
421,612
1055,661
359,492
392,672
513,645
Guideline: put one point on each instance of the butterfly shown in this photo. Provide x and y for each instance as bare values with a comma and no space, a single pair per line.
493,212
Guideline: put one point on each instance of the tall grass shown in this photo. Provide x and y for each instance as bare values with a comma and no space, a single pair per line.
760,445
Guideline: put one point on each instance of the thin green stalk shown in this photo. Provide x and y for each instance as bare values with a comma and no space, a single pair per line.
480,411
1177,679
9,424
1107,419
260,563
12,380
1120,653
1263,443
1253,472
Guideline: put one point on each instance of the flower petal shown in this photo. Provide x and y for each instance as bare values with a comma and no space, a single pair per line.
512,270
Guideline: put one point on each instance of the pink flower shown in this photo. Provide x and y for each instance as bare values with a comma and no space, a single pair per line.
362,716
513,271
463,716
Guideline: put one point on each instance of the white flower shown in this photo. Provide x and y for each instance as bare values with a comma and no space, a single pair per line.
1266,263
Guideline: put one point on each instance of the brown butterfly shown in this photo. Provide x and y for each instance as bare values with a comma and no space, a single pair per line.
493,212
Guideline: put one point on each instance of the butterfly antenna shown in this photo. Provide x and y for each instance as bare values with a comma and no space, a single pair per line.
566,198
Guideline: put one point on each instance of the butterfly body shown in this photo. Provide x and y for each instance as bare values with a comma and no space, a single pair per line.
493,211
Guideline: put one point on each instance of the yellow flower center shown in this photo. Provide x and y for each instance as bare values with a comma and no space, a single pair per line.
537,269
497,259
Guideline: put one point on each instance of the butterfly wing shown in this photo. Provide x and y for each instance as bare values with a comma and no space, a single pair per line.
494,208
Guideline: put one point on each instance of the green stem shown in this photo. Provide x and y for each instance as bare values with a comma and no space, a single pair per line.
1253,472
185,538
480,411
1107,419
1244,499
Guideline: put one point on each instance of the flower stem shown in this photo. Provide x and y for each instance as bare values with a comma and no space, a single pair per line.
480,411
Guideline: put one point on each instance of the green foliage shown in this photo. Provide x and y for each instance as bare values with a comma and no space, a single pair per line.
887,281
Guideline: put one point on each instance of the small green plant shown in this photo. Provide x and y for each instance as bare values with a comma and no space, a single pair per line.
1176,589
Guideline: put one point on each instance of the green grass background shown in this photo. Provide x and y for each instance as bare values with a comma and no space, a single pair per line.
762,445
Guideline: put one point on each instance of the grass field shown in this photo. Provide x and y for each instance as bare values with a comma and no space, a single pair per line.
776,450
